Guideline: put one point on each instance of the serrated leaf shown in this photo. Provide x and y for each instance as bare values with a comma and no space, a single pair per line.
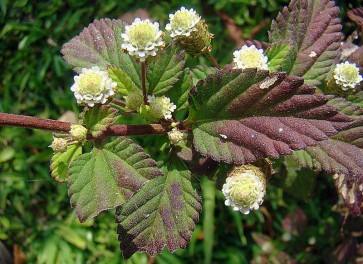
59,163
163,213
99,44
200,72
124,82
180,92
166,70
98,118
314,29
106,178
241,116
356,98
280,56
356,15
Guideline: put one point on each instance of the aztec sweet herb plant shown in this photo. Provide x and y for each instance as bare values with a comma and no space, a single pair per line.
274,99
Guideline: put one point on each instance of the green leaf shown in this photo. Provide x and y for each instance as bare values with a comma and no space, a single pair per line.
166,70
357,98
314,31
163,213
200,72
60,162
106,178
180,92
99,44
98,118
241,116
124,82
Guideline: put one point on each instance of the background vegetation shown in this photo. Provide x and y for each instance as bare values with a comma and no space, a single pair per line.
36,220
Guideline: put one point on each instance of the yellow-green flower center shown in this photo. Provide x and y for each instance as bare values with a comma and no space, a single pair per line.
182,19
244,193
141,34
90,83
349,72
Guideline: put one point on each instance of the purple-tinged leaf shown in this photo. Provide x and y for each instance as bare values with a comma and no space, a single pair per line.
308,35
99,44
357,58
356,15
241,116
108,177
162,213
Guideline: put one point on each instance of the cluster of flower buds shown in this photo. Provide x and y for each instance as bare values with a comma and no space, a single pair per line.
77,135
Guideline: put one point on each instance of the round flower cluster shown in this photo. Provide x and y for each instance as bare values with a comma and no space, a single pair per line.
244,190
142,39
161,107
93,86
347,75
78,133
175,136
59,145
182,22
250,57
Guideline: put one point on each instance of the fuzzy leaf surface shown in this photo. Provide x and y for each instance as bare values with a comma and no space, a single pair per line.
200,72
241,116
59,163
166,70
314,30
106,178
163,213
342,155
98,118
99,45
124,82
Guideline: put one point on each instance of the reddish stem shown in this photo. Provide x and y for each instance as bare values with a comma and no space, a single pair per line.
60,126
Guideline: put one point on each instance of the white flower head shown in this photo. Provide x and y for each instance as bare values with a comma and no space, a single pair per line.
93,86
161,107
244,190
142,39
250,57
182,22
347,75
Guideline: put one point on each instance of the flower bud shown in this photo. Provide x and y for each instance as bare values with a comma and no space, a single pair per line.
59,145
190,31
93,86
250,57
176,136
142,39
245,188
134,99
78,133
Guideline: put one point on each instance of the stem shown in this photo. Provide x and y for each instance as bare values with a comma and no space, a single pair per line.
60,126
143,81
212,60
118,102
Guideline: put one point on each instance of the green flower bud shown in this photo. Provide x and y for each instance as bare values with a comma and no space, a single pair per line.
134,99
59,145
78,133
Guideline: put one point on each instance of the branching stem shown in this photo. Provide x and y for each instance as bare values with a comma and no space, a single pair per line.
61,126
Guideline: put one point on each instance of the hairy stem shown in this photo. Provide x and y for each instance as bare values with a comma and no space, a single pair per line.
143,81
212,60
60,126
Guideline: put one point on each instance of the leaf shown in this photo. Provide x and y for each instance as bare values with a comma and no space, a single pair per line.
357,57
106,178
314,31
241,116
59,163
180,92
200,72
124,82
163,213
98,118
356,15
99,44
356,98
166,70
280,56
